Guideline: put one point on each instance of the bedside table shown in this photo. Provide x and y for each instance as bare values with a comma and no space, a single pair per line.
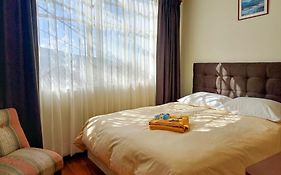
268,166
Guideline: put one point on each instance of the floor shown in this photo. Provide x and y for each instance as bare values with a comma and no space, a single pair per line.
79,164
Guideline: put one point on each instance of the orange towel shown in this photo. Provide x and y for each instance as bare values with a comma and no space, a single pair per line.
176,125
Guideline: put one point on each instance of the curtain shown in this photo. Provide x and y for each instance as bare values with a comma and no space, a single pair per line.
96,57
19,63
168,52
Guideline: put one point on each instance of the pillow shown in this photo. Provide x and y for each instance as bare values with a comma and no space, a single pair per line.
206,99
257,107
11,134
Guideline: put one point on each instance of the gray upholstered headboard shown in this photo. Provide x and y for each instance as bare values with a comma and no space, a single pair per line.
261,80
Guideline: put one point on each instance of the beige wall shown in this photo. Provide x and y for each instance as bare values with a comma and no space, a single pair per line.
211,32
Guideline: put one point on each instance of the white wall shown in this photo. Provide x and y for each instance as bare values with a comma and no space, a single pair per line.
211,32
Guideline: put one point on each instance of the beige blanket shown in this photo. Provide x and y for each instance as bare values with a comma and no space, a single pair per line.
217,143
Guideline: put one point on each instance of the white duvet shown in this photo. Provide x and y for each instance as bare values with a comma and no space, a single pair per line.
217,143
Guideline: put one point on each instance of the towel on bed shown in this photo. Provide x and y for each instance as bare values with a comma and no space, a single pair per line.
176,125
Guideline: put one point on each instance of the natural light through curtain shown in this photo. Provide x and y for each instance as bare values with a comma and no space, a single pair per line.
96,57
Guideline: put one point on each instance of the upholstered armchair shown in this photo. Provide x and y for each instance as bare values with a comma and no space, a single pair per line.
16,156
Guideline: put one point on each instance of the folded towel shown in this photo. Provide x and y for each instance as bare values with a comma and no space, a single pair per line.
176,125
168,128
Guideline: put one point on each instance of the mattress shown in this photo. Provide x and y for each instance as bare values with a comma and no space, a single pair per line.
217,143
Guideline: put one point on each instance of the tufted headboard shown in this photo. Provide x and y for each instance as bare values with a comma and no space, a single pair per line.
261,80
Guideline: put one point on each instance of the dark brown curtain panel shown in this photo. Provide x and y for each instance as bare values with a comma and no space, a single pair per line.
168,52
19,64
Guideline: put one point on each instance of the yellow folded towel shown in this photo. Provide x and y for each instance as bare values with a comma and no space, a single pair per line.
176,125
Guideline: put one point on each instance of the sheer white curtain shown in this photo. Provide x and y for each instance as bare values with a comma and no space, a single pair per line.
96,57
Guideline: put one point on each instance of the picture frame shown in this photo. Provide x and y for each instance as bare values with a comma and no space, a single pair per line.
252,8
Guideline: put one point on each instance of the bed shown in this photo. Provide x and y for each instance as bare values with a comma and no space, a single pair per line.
218,142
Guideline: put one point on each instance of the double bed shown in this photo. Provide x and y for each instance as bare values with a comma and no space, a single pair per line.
218,141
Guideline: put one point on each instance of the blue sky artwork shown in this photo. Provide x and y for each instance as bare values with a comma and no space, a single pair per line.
252,6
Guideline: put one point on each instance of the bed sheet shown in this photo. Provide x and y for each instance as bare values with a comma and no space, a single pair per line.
217,143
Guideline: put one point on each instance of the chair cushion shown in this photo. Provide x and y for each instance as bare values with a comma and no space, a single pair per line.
12,136
31,161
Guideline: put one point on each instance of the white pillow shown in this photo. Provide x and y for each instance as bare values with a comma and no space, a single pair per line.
206,99
257,107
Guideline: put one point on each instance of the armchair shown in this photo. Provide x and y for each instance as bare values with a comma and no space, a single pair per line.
16,156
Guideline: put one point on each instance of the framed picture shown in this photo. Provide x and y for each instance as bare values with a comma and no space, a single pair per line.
252,8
